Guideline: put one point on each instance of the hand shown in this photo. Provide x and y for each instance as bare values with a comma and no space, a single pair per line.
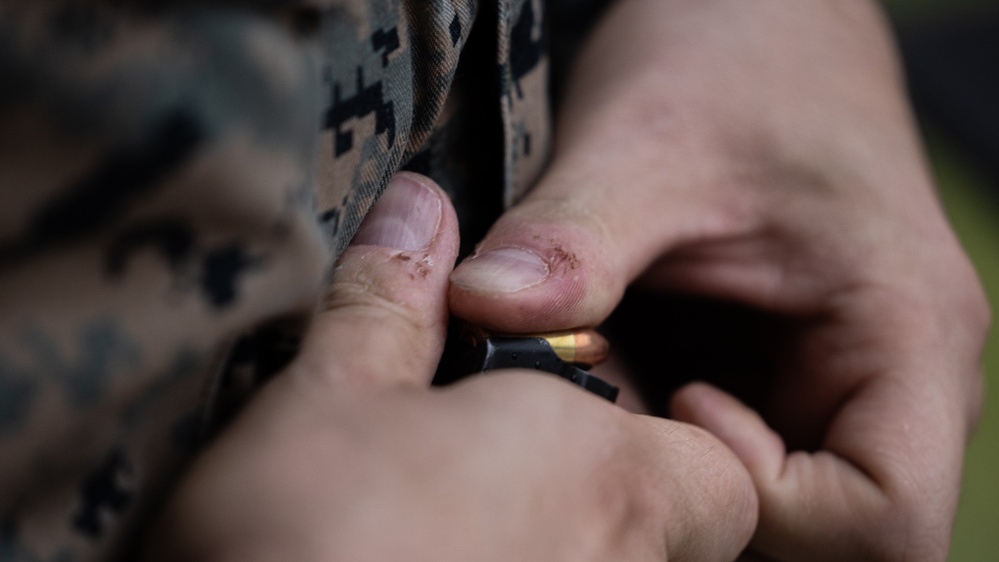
763,153
348,455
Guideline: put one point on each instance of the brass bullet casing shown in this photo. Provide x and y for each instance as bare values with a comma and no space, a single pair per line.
583,346
567,354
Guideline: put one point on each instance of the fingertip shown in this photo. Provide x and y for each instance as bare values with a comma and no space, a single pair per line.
555,304
532,275
384,317
711,503
735,424
405,248
412,214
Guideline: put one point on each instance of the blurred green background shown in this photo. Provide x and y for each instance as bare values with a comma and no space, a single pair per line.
969,192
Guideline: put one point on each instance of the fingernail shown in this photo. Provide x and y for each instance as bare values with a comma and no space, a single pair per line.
406,217
504,270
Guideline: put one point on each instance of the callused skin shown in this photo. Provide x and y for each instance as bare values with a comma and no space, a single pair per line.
764,152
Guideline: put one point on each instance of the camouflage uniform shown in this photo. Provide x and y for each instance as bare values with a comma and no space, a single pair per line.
165,188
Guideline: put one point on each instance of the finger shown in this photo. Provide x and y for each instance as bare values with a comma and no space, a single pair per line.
563,257
859,497
633,175
711,505
670,491
385,315
739,427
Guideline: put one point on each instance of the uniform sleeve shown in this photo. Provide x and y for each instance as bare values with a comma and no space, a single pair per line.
156,198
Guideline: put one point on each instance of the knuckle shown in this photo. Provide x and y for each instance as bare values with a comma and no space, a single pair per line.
911,523
979,312
708,489
911,537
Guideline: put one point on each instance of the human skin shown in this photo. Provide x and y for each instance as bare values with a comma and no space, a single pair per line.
349,454
763,152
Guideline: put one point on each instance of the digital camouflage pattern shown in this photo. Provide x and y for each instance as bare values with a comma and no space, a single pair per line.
174,175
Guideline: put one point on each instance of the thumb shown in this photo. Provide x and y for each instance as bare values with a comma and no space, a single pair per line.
563,257
384,317
543,266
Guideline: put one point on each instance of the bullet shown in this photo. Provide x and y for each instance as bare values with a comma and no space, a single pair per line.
583,346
